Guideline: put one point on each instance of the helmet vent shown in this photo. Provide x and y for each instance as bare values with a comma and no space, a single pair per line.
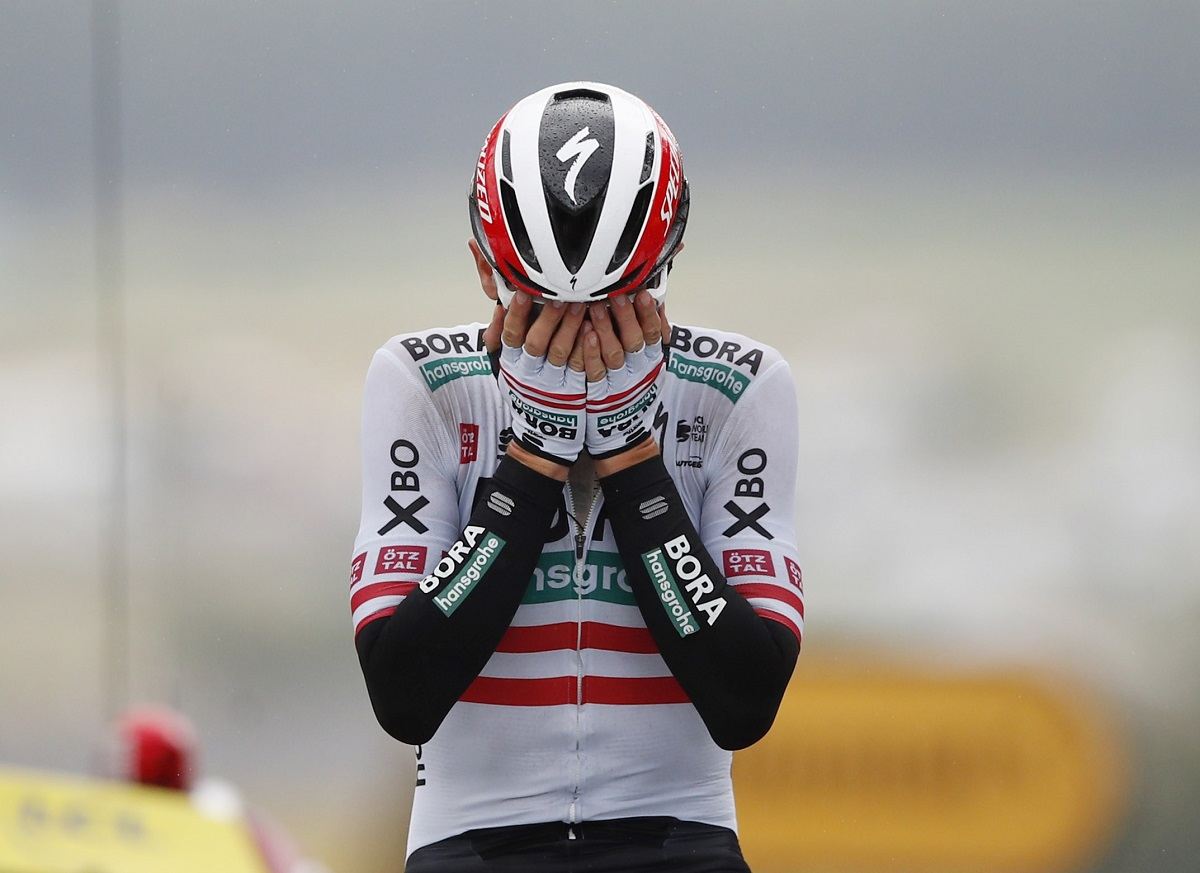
516,226
478,231
582,94
648,160
621,285
573,231
506,156
633,228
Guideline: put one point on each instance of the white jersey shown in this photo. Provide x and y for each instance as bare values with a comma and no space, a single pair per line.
576,716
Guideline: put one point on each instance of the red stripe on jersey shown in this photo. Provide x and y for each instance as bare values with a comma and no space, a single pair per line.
560,690
521,692
614,400
539,638
651,690
614,638
774,592
782,619
383,613
568,634
379,589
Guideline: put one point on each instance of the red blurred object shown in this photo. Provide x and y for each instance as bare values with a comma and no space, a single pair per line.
157,747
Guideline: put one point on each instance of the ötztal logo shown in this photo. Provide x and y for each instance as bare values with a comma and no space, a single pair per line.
795,574
748,562
468,442
356,568
579,149
400,559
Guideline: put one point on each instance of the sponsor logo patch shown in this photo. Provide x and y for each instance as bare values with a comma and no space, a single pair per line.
356,568
795,576
695,581
653,508
747,562
709,347
405,457
400,559
543,419
452,596
624,418
724,379
468,443
438,373
462,568
689,442
749,463
460,343
500,503
669,594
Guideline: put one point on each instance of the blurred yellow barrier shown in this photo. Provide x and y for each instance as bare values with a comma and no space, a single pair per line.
58,824
880,770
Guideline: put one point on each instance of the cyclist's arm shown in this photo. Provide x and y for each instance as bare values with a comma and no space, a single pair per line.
431,598
729,631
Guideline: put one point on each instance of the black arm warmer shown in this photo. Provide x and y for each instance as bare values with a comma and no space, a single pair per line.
419,661
733,665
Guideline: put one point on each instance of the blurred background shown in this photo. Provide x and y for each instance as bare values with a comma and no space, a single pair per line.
971,227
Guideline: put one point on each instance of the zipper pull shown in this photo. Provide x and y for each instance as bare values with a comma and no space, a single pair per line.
578,545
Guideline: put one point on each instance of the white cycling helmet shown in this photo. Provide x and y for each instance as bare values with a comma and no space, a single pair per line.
579,195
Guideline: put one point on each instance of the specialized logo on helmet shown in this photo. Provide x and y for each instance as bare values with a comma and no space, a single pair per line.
674,185
580,149
481,195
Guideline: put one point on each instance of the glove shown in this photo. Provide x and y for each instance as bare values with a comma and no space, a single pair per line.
620,407
547,402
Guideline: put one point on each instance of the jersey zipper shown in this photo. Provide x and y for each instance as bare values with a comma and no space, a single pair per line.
580,566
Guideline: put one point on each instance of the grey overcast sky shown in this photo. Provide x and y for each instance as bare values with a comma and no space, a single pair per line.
255,98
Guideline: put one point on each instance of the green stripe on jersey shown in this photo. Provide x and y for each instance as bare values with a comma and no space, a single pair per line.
602,578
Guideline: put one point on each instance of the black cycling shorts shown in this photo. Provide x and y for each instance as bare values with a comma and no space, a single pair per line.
621,845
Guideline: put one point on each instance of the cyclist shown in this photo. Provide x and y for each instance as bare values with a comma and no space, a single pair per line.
575,586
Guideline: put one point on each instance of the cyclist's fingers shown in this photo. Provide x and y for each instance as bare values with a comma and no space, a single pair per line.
564,336
611,351
516,321
647,315
627,323
593,365
491,335
575,362
537,340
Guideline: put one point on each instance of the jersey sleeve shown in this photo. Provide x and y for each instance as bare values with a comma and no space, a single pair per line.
431,596
747,517
730,638
410,510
